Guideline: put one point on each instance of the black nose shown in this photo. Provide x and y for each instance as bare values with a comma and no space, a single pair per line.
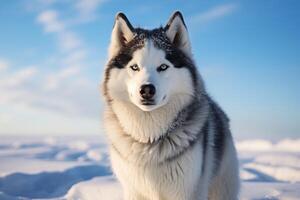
147,91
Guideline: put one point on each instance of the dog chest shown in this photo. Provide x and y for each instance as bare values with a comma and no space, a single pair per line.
176,178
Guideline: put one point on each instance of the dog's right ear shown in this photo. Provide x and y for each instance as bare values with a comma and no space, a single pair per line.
177,32
122,33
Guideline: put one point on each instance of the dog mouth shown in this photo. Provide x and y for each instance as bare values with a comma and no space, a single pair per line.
151,102
147,102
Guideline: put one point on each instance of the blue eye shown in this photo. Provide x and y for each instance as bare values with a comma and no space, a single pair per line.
135,67
162,67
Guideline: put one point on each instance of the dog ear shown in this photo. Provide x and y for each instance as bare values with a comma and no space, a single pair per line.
177,33
122,33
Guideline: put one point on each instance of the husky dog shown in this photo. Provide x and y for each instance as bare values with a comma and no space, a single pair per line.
168,139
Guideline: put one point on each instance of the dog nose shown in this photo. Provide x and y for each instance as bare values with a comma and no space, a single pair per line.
147,91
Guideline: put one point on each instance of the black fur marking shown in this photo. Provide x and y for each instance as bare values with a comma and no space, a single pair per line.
123,16
190,112
177,38
160,40
177,57
176,14
122,58
180,167
183,118
183,150
186,115
204,146
221,128
117,151
126,51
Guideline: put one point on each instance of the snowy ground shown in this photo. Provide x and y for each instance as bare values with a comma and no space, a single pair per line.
78,169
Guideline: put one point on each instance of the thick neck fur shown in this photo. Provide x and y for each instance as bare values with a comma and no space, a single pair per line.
144,126
132,130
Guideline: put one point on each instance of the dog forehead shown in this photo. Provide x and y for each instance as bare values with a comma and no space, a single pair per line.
149,54
157,36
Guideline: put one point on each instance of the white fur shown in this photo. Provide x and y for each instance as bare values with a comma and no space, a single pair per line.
143,177
165,82
125,86
132,129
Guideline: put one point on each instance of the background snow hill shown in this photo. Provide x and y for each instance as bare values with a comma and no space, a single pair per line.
78,169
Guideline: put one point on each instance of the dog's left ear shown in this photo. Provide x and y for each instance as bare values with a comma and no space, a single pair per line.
177,33
121,34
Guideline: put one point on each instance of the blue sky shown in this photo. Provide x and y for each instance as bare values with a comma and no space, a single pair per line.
52,56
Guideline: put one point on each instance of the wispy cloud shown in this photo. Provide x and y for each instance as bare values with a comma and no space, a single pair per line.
62,89
69,44
65,92
69,40
214,13
66,39
53,81
18,78
49,19
3,64
87,9
75,58
76,11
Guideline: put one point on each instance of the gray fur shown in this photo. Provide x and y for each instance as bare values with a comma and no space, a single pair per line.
195,152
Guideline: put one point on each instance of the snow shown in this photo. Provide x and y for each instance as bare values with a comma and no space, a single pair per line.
287,145
270,191
110,189
78,169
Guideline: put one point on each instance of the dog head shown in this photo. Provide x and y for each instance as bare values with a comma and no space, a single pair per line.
149,67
